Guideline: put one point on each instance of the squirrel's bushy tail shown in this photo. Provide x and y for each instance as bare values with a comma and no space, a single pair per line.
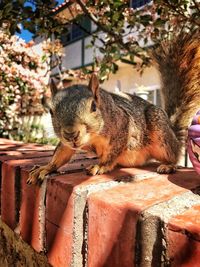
179,65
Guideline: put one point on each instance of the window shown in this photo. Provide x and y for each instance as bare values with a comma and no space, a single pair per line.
151,95
139,3
154,97
75,32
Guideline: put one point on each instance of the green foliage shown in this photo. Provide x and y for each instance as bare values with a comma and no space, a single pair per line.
129,33
33,15
32,131
22,83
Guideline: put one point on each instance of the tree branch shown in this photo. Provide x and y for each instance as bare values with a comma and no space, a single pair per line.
174,8
196,5
117,38
83,28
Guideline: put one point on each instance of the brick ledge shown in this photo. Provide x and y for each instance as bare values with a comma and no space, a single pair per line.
129,217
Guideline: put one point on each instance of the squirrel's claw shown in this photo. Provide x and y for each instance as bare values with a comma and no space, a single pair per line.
166,169
97,169
37,175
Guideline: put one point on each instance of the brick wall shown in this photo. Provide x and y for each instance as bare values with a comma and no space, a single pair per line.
129,217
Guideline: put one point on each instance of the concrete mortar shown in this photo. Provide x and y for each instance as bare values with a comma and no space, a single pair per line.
151,239
79,254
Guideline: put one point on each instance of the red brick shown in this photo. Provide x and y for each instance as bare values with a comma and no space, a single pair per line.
61,193
47,218
183,251
16,150
188,222
60,205
6,141
32,213
30,209
113,216
183,238
59,223
32,199
11,188
10,145
61,187
21,155
111,234
60,214
27,154
185,177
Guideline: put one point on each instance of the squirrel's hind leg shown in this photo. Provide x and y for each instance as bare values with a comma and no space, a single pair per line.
164,145
165,151
166,168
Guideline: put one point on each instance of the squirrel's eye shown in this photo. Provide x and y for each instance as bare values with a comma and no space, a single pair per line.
93,107
51,111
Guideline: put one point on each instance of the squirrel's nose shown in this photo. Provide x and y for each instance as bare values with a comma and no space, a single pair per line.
71,135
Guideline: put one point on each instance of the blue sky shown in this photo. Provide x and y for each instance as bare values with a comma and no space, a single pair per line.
26,35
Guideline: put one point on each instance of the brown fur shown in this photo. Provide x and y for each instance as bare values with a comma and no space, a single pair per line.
179,65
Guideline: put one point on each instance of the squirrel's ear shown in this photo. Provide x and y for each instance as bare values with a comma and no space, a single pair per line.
94,86
53,87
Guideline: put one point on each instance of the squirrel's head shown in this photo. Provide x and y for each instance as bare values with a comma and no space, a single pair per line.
75,113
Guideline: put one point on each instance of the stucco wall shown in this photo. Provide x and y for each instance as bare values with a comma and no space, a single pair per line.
131,80
72,55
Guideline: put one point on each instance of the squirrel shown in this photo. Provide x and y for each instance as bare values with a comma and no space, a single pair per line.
128,130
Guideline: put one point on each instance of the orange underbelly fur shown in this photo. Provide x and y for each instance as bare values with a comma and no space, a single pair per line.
133,158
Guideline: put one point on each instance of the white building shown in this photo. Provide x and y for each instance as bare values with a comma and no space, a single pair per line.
77,55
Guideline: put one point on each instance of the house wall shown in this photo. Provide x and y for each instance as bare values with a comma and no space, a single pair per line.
131,80
72,55
77,54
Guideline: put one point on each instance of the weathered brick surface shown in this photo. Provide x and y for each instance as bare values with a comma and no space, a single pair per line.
17,154
113,216
69,192
183,238
129,217
11,188
31,224
188,222
9,145
183,250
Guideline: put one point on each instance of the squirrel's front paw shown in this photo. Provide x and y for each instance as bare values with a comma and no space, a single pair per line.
97,169
37,175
